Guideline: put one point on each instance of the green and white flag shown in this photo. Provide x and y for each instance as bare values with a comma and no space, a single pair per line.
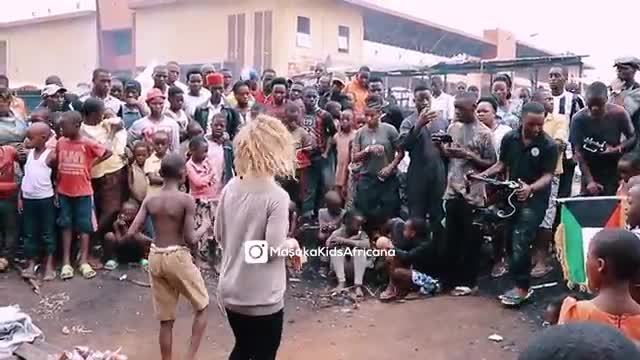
581,218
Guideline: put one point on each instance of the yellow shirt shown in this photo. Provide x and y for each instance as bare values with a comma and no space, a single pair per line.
116,142
152,166
558,128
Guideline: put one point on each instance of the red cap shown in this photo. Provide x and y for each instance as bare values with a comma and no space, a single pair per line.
215,79
155,93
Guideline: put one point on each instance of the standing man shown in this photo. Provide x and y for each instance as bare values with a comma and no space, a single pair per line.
626,68
595,135
565,105
160,79
442,102
267,76
228,81
277,102
360,87
197,95
471,150
204,113
629,89
101,80
319,124
391,114
528,156
17,105
173,69
426,178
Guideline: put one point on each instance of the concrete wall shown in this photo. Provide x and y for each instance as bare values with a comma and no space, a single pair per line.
197,32
65,46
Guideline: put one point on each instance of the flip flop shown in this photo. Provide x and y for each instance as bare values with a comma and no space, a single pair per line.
87,271
539,273
388,294
66,273
111,265
512,299
463,291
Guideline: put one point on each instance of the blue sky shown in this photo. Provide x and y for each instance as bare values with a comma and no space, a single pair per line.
585,27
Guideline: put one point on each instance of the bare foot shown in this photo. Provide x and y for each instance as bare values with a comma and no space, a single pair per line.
339,288
49,275
96,264
359,292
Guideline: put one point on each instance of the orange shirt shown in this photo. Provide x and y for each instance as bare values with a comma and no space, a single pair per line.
8,157
75,160
573,310
361,95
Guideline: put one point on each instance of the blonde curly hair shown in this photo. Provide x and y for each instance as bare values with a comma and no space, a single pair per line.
264,147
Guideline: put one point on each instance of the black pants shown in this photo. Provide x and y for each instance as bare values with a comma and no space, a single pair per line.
257,337
523,229
566,179
463,244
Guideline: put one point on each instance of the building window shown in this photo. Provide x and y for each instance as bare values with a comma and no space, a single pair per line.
3,57
303,34
343,39
120,42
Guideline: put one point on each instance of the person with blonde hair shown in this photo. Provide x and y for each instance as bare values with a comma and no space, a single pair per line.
252,221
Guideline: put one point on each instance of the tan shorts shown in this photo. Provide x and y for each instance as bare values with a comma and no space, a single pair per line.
172,273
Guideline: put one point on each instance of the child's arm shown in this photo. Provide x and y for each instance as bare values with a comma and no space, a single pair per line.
155,179
328,147
197,179
118,226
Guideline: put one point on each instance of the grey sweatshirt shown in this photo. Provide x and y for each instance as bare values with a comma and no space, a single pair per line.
251,208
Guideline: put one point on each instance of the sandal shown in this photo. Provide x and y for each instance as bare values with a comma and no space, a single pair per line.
512,299
498,271
111,265
389,293
463,291
540,272
66,273
87,271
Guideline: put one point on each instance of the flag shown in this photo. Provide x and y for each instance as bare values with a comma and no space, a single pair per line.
580,219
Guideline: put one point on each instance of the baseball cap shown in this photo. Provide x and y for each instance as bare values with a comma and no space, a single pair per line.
155,93
52,89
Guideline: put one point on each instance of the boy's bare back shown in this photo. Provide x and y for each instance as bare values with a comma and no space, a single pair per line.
172,215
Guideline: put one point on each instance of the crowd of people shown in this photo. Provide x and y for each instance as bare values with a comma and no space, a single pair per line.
265,157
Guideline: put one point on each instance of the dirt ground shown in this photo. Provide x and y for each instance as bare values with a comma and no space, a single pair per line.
106,313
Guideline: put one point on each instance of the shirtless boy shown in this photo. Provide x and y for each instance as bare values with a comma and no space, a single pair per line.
171,268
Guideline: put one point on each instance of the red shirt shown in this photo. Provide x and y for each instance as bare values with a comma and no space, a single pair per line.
8,185
75,160
277,111
258,96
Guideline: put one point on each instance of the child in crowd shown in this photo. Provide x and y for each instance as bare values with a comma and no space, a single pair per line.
193,130
413,260
612,266
37,201
203,183
628,167
350,235
360,120
343,139
632,212
132,110
303,143
119,237
8,202
152,164
171,269
330,218
41,115
220,151
109,178
75,156
176,108
137,176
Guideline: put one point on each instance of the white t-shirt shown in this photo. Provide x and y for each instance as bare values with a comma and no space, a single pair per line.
445,104
192,102
498,133
36,183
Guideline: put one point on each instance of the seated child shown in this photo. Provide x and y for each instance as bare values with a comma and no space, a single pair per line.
579,342
76,155
37,201
413,260
612,264
350,235
203,179
171,270
152,164
112,240
329,218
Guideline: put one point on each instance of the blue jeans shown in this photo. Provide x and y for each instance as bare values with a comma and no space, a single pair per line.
524,227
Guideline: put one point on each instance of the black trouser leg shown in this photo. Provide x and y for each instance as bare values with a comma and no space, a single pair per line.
257,337
463,243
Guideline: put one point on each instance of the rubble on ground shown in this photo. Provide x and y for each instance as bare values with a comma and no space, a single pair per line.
85,353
